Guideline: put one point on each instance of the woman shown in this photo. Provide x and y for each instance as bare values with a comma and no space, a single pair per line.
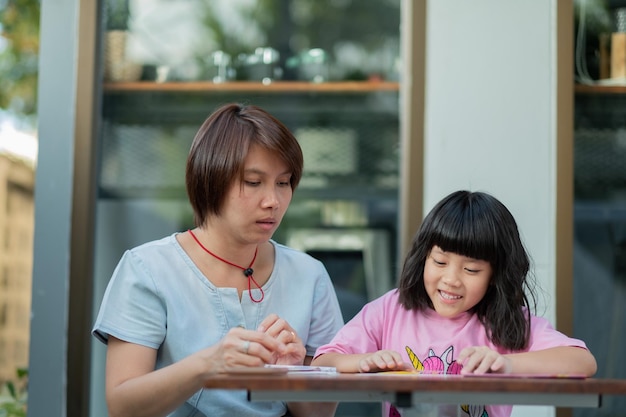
223,295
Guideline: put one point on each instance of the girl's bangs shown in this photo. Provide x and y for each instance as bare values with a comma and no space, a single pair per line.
465,234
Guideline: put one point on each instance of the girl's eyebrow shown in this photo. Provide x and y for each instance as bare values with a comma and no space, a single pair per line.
470,259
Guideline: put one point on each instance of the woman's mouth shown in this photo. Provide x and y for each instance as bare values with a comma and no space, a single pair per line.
267,224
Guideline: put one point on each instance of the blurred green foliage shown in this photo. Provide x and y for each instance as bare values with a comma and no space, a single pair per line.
19,52
293,26
14,405
116,14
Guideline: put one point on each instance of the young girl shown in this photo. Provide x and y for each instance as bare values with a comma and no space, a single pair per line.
462,306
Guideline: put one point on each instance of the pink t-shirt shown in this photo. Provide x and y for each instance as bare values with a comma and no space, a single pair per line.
430,342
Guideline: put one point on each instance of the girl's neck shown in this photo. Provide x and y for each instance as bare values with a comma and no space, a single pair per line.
432,314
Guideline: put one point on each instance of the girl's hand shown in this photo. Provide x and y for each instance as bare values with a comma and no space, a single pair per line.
482,360
294,352
383,360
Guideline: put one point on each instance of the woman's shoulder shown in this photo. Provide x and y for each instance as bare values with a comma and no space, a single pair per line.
162,244
290,262
155,261
288,253
165,248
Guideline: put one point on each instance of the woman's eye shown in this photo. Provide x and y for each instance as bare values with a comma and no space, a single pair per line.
252,183
284,183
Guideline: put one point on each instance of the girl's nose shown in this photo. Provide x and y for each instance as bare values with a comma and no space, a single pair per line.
451,278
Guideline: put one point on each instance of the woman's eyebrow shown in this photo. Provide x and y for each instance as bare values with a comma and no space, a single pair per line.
261,172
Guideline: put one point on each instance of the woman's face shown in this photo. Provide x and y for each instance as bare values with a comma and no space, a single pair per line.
253,209
455,283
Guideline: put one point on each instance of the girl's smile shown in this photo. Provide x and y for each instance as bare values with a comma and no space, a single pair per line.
448,297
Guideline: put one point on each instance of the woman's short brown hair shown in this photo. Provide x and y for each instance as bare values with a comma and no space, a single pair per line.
218,151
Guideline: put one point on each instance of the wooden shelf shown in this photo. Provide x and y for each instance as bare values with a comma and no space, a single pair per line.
253,87
599,89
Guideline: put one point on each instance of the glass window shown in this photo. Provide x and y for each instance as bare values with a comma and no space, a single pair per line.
600,189
328,69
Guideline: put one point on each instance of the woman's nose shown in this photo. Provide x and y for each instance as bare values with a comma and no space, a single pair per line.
270,200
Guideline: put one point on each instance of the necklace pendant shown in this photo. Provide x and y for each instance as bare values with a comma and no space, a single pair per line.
247,272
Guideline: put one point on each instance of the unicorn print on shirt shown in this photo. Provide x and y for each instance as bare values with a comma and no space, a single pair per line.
441,365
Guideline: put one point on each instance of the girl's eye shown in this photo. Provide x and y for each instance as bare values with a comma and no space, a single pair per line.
438,262
252,183
472,271
284,183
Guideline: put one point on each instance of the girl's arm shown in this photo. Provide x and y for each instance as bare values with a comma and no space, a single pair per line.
382,360
558,360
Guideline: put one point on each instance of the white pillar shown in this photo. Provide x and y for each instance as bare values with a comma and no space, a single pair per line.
490,118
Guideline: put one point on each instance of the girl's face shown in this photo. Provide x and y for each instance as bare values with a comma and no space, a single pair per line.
254,209
455,283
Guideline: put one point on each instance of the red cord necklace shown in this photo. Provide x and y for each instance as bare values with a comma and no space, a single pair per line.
247,272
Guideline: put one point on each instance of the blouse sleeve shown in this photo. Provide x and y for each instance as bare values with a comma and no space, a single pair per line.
132,309
361,334
326,318
543,336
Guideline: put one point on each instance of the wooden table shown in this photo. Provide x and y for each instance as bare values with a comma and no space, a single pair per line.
407,391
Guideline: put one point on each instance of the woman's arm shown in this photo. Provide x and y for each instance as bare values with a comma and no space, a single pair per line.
134,388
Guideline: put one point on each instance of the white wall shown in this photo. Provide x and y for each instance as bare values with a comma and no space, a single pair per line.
490,118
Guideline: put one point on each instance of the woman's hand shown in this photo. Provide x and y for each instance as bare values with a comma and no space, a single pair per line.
294,352
383,360
241,347
135,388
482,360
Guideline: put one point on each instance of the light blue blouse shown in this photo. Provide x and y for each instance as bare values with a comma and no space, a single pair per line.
158,298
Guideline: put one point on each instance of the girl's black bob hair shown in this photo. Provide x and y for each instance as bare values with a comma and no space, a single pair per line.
479,226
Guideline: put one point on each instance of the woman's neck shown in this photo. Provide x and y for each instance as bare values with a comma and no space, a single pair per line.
223,247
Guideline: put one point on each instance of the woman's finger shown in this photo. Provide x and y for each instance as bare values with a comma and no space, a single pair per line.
268,322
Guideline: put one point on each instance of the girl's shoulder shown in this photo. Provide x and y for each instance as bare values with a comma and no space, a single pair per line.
387,301
391,296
